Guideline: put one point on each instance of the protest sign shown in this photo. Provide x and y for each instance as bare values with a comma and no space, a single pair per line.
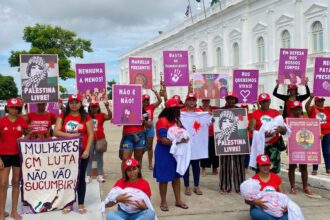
322,76
39,76
49,172
52,107
127,104
304,145
292,66
230,131
176,68
91,81
140,71
210,86
245,84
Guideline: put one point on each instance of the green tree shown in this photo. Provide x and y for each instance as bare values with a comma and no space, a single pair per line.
8,87
109,88
46,39
64,92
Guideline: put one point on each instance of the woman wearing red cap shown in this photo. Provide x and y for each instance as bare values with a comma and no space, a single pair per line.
322,113
99,118
269,182
291,97
132,179
12,128
165,163
75,122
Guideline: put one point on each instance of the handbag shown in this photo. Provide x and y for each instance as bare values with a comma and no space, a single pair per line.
101,145
280,144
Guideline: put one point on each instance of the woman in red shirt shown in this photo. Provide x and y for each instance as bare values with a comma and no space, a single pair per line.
12,127
98,120
75,122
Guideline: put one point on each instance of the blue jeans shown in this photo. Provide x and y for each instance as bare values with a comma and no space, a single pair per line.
146,214
99,160
257,213
326,152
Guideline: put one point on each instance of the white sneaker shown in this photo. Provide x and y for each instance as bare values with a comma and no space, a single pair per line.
88,179
100,179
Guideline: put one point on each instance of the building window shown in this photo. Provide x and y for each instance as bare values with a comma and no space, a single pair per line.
261,49
286,39
317,36
236,54
218,57
192,61
204,58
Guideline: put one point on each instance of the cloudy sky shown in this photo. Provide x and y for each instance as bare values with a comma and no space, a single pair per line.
113,26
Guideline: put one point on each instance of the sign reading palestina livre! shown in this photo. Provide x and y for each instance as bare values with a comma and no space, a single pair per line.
176,68
50,107
230,131
49,172
127,104
292,66
210,86
39,76
91,81
322,76
246,85
304,145
140,71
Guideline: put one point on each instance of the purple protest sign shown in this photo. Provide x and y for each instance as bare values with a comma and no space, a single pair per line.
140,71
176,68
292,66
91,81
50,107
245,84
304,146
322,76
127,104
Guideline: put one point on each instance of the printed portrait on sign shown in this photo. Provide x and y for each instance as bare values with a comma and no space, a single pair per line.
228,126
141,79
305,138
37,71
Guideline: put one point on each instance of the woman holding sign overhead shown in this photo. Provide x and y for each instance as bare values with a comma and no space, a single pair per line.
12,127
75,122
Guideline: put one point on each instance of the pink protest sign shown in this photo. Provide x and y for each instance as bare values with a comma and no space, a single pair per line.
292,66
176,68
140,71
91,81
210,86
322,76
304,145
245,84
127,104
50,107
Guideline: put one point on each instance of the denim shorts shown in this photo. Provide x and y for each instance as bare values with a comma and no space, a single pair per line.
150,132
132,142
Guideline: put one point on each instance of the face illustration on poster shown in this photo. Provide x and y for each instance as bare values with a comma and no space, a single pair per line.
228,124
141,79
36,71
126,115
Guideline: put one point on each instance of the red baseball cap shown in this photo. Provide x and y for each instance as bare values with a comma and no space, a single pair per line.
145,96
13,102
292,87
231,94
263,159
170,103
130,162
263,97
74,97
318,98
245,106
177,97
296,104
191,96
94,104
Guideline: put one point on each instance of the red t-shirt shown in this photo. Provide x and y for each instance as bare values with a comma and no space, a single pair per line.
9,133
98,122
271,185
211,127
265,116
129,129
150,110
72,124
141,184
40,123
249,132
324,116
163,123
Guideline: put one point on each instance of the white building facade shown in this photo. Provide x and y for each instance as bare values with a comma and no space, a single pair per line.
244,34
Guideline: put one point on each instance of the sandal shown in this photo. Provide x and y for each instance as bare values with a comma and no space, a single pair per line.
67,210
182,206
314,173
6,214
82,210
293,191
187,191
164,208
16,216
197,191
308,192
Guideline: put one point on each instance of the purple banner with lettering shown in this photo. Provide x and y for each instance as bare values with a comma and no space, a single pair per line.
245,84
176,68
304,145
91,81
50,107
127,104
140,71
292,66
322,76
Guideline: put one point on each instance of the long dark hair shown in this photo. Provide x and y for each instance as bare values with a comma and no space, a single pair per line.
82,112
139,175
171,114
89,111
